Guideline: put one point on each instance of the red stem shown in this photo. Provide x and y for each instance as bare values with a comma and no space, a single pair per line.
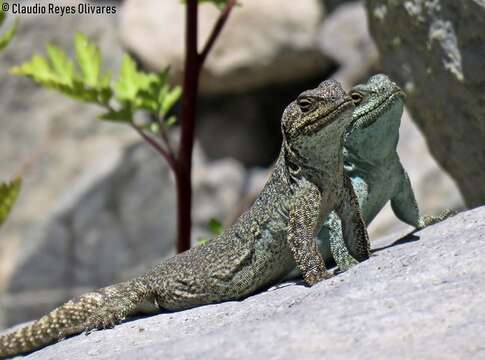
189,98
167,155
183,164
216,30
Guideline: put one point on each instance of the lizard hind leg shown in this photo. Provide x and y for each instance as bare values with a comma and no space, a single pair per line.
405,207
427,220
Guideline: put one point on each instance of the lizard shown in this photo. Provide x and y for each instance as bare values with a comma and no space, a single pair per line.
257,251
373,165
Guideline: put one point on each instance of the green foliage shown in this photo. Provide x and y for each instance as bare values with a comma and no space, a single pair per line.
8,190
84,82
215,226
202,240
138,90
8,195
83,79
9,34
89,59
220,4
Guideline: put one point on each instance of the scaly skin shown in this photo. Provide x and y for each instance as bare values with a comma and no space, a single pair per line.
372,163
257,251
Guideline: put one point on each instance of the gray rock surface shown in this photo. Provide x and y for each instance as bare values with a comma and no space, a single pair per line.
420,296
118,218
258,46
62,137
435,50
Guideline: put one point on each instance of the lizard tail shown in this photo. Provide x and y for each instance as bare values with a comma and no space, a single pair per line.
65,320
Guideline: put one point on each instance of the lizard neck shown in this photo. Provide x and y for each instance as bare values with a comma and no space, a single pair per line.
322,166
375,144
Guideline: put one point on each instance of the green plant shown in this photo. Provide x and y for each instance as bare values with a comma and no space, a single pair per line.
84,80
216,228
8,190
6,37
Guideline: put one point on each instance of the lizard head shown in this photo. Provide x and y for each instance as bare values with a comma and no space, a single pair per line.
374,131
374,98
314,118
314,110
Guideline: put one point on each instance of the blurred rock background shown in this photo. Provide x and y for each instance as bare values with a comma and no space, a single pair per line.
98,205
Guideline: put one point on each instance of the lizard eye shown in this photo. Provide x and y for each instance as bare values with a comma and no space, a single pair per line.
305,104
356,97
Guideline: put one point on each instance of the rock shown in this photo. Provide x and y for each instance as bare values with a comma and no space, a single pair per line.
435,51
354,50
420,296
59,136
118,219
258,46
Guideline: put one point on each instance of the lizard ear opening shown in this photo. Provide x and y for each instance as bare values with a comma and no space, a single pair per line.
294,169
356,97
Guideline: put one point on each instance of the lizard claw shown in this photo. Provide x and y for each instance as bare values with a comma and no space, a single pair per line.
314,276
427,220
103,319
337,271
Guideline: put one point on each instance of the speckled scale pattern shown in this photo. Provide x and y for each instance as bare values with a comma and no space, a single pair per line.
256,252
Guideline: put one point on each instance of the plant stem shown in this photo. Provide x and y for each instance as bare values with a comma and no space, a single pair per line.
216,30
166,154
189,98
193,65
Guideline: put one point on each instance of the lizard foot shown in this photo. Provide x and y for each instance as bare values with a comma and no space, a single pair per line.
344,263
315,276
430,220
104,318
337,271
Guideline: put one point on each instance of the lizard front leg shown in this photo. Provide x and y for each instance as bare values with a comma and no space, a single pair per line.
338,249
349,241
303,220
406,208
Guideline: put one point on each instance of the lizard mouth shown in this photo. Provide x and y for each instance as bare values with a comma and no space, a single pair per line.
380,108
330,116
